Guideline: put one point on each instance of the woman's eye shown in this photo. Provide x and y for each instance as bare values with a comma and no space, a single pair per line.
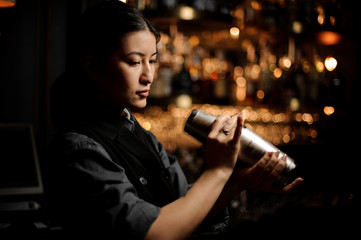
132,63
153,61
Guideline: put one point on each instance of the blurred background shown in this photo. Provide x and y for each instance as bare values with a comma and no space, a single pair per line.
292,65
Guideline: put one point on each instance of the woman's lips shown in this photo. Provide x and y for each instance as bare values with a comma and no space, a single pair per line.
143,93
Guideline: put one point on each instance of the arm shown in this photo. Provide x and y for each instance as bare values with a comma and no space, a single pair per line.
180,218
219,184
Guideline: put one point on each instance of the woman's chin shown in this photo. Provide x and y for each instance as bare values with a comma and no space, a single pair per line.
139,105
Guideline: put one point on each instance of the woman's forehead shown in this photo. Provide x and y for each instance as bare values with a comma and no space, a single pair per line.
141,42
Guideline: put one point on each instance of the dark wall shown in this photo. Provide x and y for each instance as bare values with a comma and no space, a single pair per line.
18,62
33,39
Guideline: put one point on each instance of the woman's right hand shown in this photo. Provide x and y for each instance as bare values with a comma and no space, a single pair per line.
222,146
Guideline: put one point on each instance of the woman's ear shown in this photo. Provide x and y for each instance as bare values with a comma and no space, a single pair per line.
89,66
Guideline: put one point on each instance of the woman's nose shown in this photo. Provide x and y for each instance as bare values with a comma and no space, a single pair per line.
147,74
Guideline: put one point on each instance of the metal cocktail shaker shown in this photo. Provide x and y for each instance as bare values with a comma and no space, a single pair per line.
254,147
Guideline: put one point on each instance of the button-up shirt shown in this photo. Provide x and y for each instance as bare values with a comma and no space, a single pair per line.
93,194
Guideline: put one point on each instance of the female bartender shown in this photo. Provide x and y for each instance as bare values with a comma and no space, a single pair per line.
109,177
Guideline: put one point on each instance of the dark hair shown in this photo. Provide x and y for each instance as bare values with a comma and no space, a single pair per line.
73,97
103,24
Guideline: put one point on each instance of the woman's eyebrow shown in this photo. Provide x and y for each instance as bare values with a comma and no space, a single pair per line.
140,53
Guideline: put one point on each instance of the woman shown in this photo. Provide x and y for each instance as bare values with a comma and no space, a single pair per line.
109,176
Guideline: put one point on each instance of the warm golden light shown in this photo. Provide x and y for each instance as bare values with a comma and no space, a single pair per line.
193,71
319,66
214,76
313,133
286,138
321,19
330,63
328,110
241,93
255,71
184,101
306,117
277,72
234,32
147,126
260,94
321,15
194,40
297,27
187,13
256,5
238,70
329,37
164,38
7,3
275,127
285,62
294,104
241,81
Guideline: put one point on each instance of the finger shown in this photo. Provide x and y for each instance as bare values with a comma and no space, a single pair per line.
275,165
266,176
279,167
271,163
217,125
292,186
238,128
230,125
258,168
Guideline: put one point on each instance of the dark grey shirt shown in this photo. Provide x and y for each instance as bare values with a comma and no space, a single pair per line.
90,191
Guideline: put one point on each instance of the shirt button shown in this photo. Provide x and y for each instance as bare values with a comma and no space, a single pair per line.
143,180
165,174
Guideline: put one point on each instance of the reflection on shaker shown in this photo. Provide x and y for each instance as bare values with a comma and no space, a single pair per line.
254,147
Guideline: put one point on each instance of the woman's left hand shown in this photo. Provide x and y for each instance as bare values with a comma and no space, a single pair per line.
264,174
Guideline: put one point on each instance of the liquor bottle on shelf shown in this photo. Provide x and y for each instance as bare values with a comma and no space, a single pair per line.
161,89
182,88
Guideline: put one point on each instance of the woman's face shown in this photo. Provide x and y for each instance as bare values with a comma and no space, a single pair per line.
125,81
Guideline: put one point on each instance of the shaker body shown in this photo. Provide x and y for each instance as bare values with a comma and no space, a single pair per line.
253,146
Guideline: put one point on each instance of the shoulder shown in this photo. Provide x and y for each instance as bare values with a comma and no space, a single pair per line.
75,142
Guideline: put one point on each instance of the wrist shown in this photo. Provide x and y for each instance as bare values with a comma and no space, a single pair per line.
223,174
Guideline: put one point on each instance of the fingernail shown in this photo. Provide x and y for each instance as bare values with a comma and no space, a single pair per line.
243,113
284,157
277,154
243,116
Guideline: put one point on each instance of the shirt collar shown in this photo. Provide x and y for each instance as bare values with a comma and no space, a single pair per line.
122,125
126,113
